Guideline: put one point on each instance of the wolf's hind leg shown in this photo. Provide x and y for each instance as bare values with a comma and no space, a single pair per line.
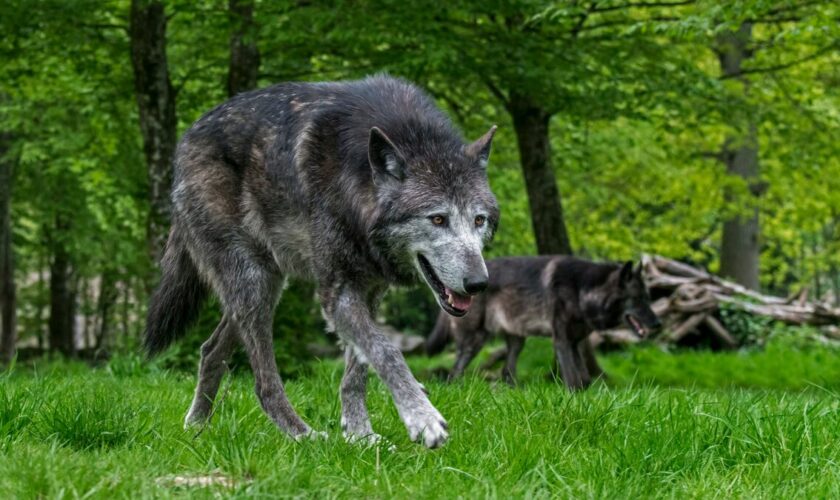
355,421
514,347
581,362
215,352
469,345
249,283
255,332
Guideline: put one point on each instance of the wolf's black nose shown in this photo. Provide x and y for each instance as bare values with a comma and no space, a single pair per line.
474,285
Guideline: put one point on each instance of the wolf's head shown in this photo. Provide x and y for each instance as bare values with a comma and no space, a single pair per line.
436,210
622,298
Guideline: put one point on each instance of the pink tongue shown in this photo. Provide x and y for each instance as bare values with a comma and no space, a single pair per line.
461,302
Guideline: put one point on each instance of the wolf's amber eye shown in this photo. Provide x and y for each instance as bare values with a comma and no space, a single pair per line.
480,220
438,220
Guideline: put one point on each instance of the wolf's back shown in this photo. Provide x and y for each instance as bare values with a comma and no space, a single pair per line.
178,298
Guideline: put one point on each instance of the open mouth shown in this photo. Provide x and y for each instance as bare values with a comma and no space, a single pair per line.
450,301
636,325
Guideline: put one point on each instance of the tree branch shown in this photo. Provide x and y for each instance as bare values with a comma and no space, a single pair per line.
106,26
496,91
643,5
626,22
768,69
584,16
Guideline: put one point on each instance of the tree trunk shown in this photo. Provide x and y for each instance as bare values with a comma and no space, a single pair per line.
125,310
43,258
740,249
84,301
8,306
531,123
62,296
156,104
108,295
244,55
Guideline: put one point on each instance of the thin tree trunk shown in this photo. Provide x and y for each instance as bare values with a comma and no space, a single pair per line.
42,295
740,250
62,297
8,296
531,124
156,104
125,311
85,302
244,54
108,294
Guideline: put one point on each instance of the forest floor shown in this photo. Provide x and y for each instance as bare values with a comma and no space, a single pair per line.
689,424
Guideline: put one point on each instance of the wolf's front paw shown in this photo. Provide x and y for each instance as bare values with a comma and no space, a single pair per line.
194,421
372,439
427,427
311,435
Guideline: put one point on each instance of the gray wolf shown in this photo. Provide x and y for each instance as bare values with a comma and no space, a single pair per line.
565,298
356,185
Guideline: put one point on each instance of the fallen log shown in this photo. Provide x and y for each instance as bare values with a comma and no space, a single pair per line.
690,301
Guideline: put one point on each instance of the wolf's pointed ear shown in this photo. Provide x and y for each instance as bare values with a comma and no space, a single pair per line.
385,159
480,149
626,273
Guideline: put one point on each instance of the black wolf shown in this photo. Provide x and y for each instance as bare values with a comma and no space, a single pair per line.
356,185
565,298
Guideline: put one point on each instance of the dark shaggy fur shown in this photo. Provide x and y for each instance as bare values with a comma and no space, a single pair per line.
355,185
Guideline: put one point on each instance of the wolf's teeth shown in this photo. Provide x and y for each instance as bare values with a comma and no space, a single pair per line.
449,299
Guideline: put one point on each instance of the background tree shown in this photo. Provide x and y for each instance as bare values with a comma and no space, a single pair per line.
244,67
156,104
740,248
8,302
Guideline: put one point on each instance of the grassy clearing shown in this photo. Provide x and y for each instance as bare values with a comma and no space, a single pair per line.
761,424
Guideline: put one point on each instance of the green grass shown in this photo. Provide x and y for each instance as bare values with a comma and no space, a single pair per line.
689,424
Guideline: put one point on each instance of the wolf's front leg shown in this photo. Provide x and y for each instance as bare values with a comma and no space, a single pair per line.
566,355
355,422
588,354
352,319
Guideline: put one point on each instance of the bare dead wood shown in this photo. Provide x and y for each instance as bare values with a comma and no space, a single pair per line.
705,304
662,306
617,336
695,296
686,327
720,331
679,269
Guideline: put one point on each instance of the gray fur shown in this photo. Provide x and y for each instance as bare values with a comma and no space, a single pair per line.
562,297
336,182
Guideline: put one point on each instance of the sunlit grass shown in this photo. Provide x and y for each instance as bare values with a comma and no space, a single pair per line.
759,424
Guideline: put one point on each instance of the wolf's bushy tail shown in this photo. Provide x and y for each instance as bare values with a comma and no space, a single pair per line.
440,335
178,298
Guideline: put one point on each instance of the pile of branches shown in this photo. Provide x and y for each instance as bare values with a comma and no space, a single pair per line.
690,301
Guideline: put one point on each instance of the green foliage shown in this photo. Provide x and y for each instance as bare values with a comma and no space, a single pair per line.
639,117
97,418
748,329
17,408
410,310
